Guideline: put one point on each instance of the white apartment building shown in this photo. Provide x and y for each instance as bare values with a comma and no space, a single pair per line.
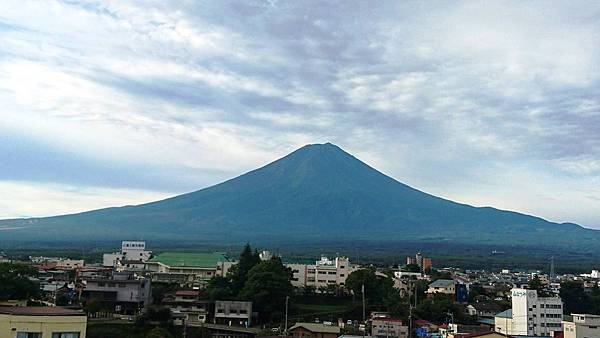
530,315
582,326
323,273
133,251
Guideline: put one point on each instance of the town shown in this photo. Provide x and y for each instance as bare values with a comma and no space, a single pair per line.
135,292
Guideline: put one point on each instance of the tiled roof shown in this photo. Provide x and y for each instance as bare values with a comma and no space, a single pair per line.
505,314
318,328
39,311
190,259
442,283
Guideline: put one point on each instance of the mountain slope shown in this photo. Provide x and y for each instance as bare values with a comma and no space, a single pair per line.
316,191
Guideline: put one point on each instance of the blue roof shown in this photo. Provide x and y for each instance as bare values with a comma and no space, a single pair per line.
505,314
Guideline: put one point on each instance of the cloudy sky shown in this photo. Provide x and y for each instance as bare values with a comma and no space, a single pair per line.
107,103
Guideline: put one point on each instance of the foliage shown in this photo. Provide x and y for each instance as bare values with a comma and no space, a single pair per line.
158,313
238,273
15,282
267,286
158,332
576,300
159,290
219,288
412,268
438,309
375,288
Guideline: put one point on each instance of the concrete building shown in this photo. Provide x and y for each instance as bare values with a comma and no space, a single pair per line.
582,326
233,313
388,328
314,330
188,268
186,304
132,251
41,322
530,315
323,273
124,293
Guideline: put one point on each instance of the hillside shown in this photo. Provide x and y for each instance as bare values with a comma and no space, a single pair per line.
317,192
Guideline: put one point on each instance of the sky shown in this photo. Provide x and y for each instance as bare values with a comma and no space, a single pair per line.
107,103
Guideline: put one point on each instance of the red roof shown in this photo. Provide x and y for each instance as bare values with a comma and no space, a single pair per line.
39,311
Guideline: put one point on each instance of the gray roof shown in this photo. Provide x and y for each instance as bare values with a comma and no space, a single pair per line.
442,283
505,314
315,327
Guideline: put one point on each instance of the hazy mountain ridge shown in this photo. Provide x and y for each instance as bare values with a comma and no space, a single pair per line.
318,190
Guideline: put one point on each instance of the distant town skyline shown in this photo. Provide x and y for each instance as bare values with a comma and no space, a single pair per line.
111,103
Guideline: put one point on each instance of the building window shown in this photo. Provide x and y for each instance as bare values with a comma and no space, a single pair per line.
29,335
65,335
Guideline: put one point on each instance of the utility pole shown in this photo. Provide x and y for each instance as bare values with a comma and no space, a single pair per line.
287,298
364,311
409,309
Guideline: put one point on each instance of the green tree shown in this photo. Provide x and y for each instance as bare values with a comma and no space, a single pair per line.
15,281
238,273
375,288
158,332
575,299
267,286
412,268
219,288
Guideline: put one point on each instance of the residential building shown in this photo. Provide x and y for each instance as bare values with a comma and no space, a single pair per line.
445,286
42,322
187,305
47,263
233,313
4,258
323,273
530,315
421,261
188,268
486,310
388,328
124,292
314,330
582,326
132,251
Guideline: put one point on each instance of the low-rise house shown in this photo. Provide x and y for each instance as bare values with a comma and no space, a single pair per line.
188,268
484,309
313,330
42,322
385,327
125,293
445,286
582,326
186,304
233,313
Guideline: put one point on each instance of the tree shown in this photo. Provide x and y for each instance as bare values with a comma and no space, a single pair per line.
412,268
15,282
575,299
267,286
158,332
376,288
219,288
238,273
